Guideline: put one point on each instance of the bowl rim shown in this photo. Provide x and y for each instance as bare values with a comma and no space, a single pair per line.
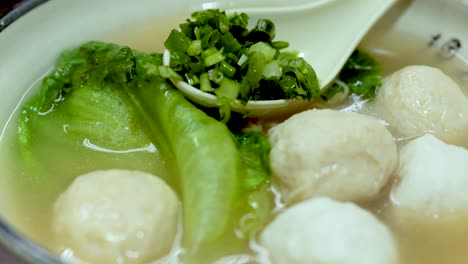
22,249
15,11
12,243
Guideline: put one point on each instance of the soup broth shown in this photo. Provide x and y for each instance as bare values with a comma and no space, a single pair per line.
26,199
438,239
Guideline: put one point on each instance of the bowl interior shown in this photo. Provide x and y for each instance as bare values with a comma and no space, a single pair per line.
30,46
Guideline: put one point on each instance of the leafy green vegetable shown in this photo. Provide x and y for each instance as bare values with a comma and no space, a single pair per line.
257,200
79,122
82,100
361,74
254,148
206,159
224,47
118,96
211,166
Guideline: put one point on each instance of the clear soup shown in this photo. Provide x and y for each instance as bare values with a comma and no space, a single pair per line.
26,200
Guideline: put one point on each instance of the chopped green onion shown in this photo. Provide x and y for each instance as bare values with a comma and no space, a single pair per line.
279,44
267,51
230,42
227,69
210,39
167,72
240,20
245,90
228,88
177,41
215,75
205,84
232,57
195,48
263,31
197,67
214,49
243,59
197,33
291,53
208,52
272,71
192,79
223,24
255,71
214,58
179,61
204,30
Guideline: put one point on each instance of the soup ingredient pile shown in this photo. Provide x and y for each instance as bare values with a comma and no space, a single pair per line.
115,96
120,99
217,53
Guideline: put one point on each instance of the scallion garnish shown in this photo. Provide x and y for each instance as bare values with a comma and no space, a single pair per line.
218,54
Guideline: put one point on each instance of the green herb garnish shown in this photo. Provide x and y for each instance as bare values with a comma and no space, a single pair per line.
361,75
218,54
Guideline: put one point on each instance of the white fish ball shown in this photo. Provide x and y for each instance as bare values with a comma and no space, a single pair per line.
420,99
346,156
432,178
116,216
322,231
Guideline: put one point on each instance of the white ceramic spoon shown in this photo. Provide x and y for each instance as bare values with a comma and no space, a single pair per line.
325,32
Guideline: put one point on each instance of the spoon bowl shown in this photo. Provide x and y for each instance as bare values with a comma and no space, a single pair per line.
324,32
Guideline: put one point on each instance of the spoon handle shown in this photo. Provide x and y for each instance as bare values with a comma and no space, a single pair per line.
249,5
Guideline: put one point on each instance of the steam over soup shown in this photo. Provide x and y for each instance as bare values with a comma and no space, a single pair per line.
107,112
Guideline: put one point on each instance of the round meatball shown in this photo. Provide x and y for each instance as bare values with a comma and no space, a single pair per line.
420,99
323,231
116,216
346,156
432,178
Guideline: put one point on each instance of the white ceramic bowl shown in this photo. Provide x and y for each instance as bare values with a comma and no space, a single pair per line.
30,45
